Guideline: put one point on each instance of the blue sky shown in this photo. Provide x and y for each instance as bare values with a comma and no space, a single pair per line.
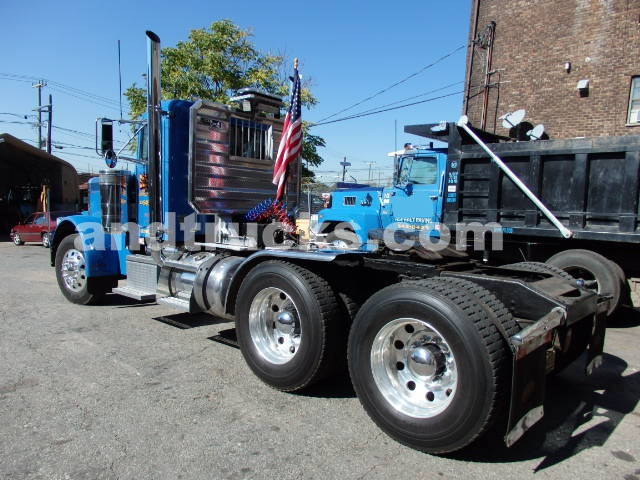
350,50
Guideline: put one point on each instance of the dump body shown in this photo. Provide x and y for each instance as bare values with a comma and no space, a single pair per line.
591,184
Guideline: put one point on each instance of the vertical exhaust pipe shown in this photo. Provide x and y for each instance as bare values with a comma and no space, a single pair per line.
154,142
154,112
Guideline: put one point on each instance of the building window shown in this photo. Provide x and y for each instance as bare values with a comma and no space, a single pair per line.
634,101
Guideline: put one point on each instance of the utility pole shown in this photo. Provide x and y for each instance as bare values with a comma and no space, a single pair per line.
344,164
50,110
370,165
39,86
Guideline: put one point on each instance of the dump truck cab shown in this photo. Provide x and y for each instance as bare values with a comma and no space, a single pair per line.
413,203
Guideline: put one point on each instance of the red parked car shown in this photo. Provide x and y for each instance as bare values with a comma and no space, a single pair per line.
38,227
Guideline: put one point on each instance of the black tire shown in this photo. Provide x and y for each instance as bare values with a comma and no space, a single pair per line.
595,271
460,313
74,284
46,240
318,337
625,290
540,267
17,240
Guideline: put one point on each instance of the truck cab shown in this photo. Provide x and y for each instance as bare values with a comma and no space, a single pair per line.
413,203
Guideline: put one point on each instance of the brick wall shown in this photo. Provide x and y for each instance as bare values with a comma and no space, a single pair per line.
533,40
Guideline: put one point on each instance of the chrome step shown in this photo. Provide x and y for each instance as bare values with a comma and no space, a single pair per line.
136,294
178,303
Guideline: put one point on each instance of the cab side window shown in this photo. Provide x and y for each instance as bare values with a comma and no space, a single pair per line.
405,167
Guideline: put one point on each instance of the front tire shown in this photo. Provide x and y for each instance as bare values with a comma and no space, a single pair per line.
290,326
17,240
71,273
429,365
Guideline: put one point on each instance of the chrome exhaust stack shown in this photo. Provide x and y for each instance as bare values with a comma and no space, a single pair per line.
154,140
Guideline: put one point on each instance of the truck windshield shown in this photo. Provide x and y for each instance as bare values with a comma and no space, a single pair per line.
421,170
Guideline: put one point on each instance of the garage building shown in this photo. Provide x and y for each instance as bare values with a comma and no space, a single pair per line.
24,170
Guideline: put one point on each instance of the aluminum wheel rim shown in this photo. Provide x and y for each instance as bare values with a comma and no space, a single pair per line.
414,368
16,239
274,325
45,240
74,270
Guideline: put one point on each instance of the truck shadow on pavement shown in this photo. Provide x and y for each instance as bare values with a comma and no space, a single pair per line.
625,317
118,301
581,412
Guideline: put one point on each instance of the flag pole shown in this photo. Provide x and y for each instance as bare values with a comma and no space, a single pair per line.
299,179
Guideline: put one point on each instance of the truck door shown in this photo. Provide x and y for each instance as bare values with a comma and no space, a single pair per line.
416,201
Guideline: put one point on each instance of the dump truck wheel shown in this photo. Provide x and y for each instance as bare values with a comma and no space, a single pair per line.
429,365
71,273
591,270
290,325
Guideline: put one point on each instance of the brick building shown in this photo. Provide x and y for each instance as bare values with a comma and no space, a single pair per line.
534,54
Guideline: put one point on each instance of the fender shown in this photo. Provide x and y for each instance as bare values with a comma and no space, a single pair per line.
294,256
100,248
361,223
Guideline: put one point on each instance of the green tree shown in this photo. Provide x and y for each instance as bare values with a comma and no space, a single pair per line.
213,64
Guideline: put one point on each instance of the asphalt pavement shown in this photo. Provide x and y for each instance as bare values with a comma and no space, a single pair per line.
124,390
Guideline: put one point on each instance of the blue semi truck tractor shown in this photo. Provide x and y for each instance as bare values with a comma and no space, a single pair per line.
442,351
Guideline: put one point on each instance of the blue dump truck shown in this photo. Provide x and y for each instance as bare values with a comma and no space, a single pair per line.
571,203
443,351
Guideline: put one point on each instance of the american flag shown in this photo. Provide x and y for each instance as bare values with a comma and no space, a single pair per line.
291,140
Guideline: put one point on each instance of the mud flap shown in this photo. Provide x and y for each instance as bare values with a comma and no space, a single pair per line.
596,343
527,394
528,383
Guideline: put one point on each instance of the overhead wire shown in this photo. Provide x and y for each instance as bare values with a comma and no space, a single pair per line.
381,108
415,96
365,114
59,86
395,84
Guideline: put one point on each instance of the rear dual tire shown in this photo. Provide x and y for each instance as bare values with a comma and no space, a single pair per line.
429,365
290,325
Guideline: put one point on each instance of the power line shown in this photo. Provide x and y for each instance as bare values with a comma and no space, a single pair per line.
33,124
426,67
366,114
81,155
20,115
415,96
68,131
88,100
61,86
